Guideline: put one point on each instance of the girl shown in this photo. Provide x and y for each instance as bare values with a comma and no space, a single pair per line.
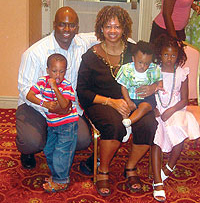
175,123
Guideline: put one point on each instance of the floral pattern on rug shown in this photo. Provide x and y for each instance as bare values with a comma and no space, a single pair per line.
18,185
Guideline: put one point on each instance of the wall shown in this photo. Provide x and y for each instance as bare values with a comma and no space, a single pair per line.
15,37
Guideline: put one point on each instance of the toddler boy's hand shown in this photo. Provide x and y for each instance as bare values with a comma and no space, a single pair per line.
52,83
131,105
51,105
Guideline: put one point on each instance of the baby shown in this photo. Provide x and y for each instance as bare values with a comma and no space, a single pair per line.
135,74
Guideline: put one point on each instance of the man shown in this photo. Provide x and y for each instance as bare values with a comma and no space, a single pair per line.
30,119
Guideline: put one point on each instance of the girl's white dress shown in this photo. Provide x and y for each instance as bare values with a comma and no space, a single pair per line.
182,124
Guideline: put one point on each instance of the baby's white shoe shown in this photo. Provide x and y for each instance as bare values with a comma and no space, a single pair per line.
126,122
126,137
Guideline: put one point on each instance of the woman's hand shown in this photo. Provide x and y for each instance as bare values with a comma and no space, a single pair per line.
121,106
146,90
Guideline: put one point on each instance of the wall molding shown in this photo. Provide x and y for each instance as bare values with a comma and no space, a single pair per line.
8,102
145,19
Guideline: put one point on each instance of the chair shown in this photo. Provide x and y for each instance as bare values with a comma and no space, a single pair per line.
193,62
96,134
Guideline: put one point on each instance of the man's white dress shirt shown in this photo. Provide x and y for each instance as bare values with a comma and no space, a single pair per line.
34,63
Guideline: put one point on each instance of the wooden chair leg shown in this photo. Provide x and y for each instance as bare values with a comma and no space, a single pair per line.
95,156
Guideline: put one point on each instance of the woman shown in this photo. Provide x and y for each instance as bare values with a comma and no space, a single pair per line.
100,96
193,29
173,18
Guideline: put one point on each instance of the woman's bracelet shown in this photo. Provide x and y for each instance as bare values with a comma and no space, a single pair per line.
106,102
41,102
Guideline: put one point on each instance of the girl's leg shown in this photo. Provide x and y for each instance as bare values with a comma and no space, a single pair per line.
175,154
137,152
156,166
156,163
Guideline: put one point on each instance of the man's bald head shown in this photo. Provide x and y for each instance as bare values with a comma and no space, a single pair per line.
67,12
65,26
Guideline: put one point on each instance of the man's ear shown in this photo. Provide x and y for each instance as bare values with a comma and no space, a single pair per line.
54,25
77,29
133,58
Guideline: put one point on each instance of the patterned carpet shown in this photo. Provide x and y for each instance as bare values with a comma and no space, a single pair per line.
18,185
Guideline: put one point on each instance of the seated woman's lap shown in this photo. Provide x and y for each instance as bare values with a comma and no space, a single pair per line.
108,121
144,130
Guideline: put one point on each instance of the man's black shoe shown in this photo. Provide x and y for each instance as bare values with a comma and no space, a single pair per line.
28,161
87,167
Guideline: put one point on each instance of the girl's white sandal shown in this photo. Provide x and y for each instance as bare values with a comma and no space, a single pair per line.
163,176
158,193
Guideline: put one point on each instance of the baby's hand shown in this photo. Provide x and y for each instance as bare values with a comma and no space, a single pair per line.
52,83
131,105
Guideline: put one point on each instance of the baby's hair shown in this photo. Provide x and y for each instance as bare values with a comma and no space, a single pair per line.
57,57
109,12
144,47
168,41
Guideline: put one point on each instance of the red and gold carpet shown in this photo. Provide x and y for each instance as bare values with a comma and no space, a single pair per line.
18,185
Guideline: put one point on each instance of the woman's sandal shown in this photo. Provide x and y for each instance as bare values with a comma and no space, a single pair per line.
158,193
163,176
133,181
51,186
103,186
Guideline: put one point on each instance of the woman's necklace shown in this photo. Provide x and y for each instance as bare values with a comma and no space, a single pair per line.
120,63
172,90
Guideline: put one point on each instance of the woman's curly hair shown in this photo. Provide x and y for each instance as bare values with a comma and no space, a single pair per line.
168,41
109,12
